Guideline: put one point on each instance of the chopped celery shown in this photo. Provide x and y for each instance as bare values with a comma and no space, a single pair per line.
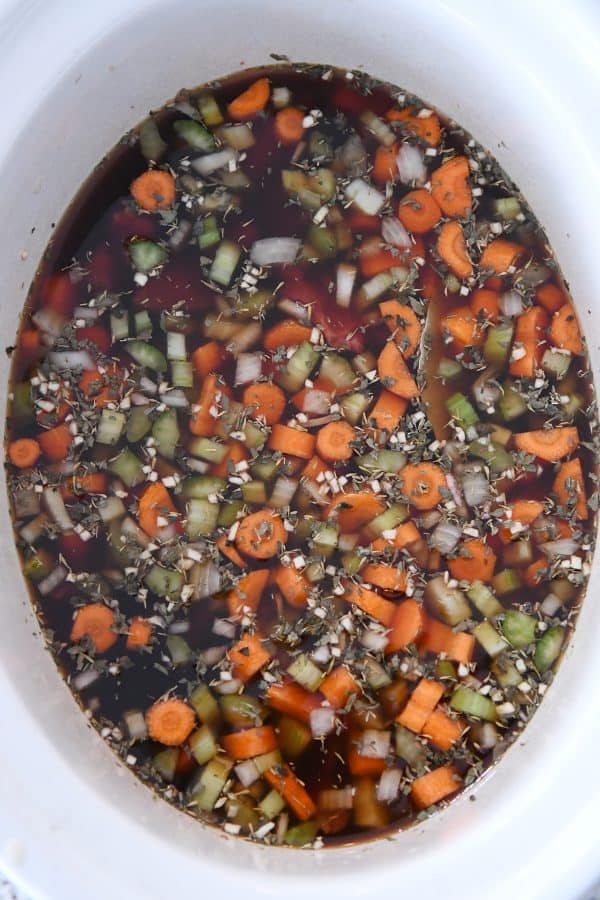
315,571
518,628
409,748
127,467
461,409
209,233
241,811
294,737
484,600
36,568
201,518
506,581
448,603
229,513
325,539
486,635
355,405
203,745
336,369
194,134
119,325
255,437
320,242
253,306
448,369
293,180
209,110
110,427
271,804
298,368
323,182
572,406
165,763
388,462
305,672
241,710
498,342
495,455
267,761
375,674
206,790
179,649
352,562
225,262
164,582
254,492
500,435
302,834
468,701
507,208
138,423
201,487
548,648
182,374
147,355
205,705
142,324
21,405
387,520
176,345
151,143
165,431
511,404
445,669
146,255
563,589
555,362
207,449
505,672
517,553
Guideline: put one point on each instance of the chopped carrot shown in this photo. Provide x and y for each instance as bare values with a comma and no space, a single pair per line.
155,503
370,602
251,101
550,296
384,164
452,248
499,256
394,373
334,441
260,534
235,454
439,638
565,332
100,388
85,483
404,324
265,400
536,572
205,412
247,657
362,765
250,742
339,686
406,534
434,786
450,187
549,444
208,358
476,561
227,548
484,304
388,411
293,700
442,730
24,452
153,190
332,821
96,622
569,487
292,441
421,704
375,258
289,125
463,327
290,787
524,512
170,722
294,586
30,342
418,211
362,223
528,343
406,626
428,128
96,335
247,592
423,484
353,511
384,576
139,634
56,442
314,467
59,293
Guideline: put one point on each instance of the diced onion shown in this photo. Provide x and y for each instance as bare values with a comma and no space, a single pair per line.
485,735
52,581
550,605
181,627
131,529
206,165
345,278
411,165
322,721
175,398
229,687
213,655
283,491
205,579
83,680
223,628
89,313
248,368
476,488
353,155
180,235
347,542
240,137
365,196
393,232
71,359
247,336
332,799
388,785
49,321
57,509
247,772
374,744
26,503
374,640
271,251
34,529
445,537
316,402
294,309
321,655
511,304
562,547
486,391
135,723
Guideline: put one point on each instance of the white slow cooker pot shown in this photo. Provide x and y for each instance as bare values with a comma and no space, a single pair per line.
523,77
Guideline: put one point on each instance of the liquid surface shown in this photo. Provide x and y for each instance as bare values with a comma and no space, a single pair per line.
301,455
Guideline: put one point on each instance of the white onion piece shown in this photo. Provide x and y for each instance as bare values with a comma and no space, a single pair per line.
562,547
83,680
486,391
57,509
316,423
206,165
283,491
248,368
147,385
511,304
550,605
26,503
130,529
135,723
247,772
411,165
316,402
374,640
71,359
49,321
454,490
364,196
476,488
294,309
388,785
486,735
353,155
331,799
205,579
430,518
223,628
52,581
374,744
347,542
34,529
179,627
393,232
270,251
240,137
213,655
111,508
281,96
378,128
180,235
66,467
229,687
311,488
445,537
321,655
89,313
345,278
175,398
139,399
322,721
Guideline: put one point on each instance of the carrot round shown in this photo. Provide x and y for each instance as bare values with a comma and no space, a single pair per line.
484,304
434,786
384,164
549,444
499,256
289,125
24,452
56,442
292,441
288,333
294,586
250,742
569,487
251,101
423,484
404,324
362,765
564,330
153,190
154,503
98,387
95,621
450,187
266,400
394,372
418,211
247,592
170,722
260,535
452,248
334,440
406,626
476,562
226,548
205,411
139,634
524,512
428,128
352,511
